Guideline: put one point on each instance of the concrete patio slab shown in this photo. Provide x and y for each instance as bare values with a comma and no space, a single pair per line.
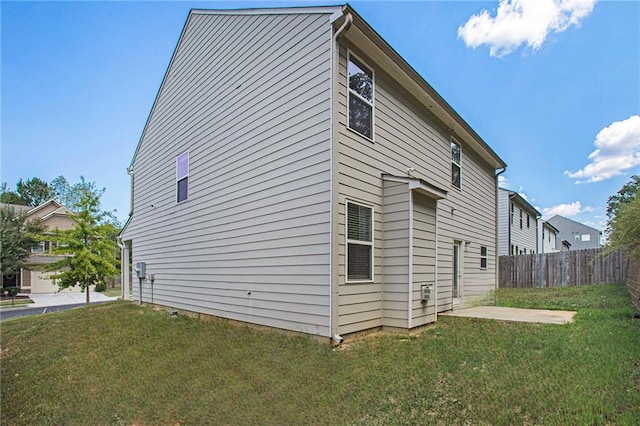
543,316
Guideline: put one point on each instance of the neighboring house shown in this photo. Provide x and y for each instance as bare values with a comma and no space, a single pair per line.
548,238
517,224
579,236
33,279
564,244
296,172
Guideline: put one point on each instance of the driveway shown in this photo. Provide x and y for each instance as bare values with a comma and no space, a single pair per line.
543,316
58,299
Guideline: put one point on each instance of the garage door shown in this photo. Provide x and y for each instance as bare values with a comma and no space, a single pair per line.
40,283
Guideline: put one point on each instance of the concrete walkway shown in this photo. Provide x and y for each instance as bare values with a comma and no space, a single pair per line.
543,316
59,299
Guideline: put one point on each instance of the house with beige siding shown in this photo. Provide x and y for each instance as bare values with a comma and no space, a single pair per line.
517,224
33,279
296,172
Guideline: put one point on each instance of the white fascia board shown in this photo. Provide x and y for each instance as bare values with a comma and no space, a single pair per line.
272,11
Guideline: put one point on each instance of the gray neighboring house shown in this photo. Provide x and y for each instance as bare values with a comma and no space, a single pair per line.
517,224
296,172
578,235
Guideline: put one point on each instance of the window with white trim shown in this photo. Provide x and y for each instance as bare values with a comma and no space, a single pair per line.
360,105
38,248
182,177
520,218
456,163
359,242
483,257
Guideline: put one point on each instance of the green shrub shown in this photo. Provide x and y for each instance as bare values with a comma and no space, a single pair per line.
100,287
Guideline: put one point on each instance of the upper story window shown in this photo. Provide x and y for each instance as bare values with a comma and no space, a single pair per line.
513,212
520,218
182,177
528,221
359,242
360,97
456,163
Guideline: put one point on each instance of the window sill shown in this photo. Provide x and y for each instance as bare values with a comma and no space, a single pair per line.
360,282
361,135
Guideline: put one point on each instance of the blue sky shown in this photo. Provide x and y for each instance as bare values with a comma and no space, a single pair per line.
552,85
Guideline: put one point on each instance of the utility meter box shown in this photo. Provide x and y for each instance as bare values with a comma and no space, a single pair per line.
141,269
425,292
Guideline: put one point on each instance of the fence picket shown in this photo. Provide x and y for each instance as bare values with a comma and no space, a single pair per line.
563,269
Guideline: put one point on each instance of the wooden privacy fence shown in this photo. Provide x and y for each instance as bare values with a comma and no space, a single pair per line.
564,269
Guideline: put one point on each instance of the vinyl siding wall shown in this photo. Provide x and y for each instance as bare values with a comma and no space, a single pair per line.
395,253
504,216
406,134
248,97
524,238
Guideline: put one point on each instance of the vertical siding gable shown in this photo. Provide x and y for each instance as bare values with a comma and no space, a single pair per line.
248,96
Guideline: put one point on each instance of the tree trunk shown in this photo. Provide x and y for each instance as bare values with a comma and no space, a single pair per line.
87,291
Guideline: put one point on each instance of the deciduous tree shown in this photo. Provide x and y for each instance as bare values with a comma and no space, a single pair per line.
17,236
89,246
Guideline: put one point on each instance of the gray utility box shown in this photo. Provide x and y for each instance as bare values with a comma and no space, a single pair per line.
141,270
426,291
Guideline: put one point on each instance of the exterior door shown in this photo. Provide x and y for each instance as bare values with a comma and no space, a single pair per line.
457,281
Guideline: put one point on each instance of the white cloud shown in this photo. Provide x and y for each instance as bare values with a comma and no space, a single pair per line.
617,150
503,182
522,22
566,210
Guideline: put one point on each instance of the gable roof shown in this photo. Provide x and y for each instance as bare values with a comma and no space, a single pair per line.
561,219
18,208
553,228
43,205
521,201
394,64
397,67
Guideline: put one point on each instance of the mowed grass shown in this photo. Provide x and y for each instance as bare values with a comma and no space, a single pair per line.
120,363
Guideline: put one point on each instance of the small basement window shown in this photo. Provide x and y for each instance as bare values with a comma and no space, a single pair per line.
359,242
182,177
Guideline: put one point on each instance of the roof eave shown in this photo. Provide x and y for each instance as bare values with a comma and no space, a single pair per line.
409,78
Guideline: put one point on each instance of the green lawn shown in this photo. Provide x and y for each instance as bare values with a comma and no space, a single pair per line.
119,363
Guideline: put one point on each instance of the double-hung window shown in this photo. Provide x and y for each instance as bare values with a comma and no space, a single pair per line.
456,163
359,242
520,218
360,97
182,177
483,257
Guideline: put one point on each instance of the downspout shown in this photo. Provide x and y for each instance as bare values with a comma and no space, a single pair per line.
333,82
435,285
497,243
124,269
130,173
410,277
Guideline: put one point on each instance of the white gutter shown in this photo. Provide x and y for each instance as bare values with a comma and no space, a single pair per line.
333,79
